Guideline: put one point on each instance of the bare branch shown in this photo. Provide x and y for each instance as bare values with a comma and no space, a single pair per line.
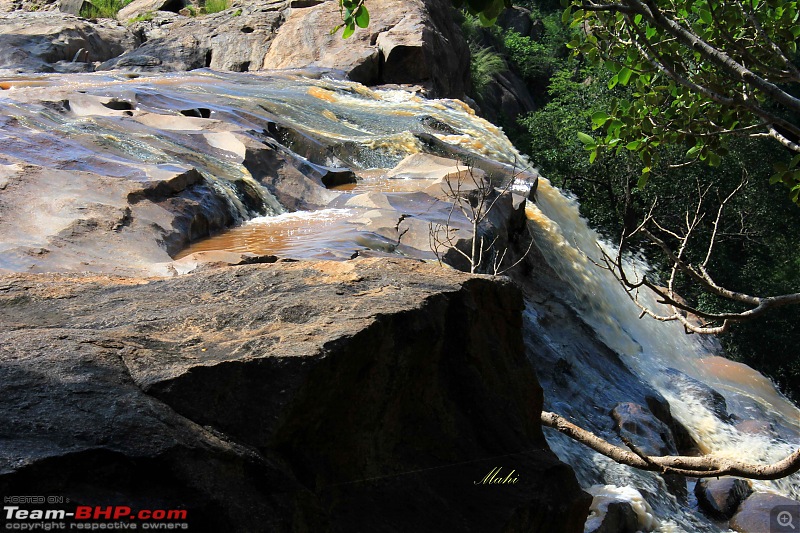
702,466
711,323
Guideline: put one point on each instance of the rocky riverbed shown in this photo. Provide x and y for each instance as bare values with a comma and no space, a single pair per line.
267,388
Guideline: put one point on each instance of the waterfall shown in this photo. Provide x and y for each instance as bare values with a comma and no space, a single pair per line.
136,127
650,348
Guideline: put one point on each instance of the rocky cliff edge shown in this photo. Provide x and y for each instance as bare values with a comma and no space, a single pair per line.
294,396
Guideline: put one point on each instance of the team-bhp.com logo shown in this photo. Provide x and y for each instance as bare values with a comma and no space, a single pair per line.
94,518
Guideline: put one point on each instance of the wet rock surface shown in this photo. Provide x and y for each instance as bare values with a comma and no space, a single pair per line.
222,402
637,425
118,175
681,384
720,498
619,518
755,513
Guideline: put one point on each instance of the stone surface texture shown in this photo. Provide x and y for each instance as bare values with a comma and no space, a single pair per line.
264,395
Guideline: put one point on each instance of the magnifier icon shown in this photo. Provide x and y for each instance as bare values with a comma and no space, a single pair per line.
785,520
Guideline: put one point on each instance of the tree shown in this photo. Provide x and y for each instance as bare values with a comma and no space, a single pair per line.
475,195
692,317
702,70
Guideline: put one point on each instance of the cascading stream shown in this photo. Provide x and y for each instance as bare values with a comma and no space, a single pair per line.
201,119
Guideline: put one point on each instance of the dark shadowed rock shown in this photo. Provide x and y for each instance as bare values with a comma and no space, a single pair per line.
637,424
36,41
265,395
682,384
619,518
516,19
507,99
684,442
720,498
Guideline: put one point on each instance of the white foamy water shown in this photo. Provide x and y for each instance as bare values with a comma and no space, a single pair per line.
323,217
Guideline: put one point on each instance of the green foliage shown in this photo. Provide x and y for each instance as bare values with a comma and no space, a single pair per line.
700,72
143,17
756,252
487,11
354,14
215,6
532,59
100,9
537,60
484,65
471,29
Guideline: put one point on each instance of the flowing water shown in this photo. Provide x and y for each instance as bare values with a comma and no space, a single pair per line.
131,127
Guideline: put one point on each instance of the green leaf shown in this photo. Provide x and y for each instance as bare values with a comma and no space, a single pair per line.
566,16
633,145
693,150
362,17
705,16
486,22
593,155
585,139
348,30
713,159
624,75
643,178
613,81
599,118
637,19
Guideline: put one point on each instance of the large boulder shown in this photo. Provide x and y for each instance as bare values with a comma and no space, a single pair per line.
413,42
759,513
721,497
234,40
269,395
506,99
56,42
406,42
138,8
